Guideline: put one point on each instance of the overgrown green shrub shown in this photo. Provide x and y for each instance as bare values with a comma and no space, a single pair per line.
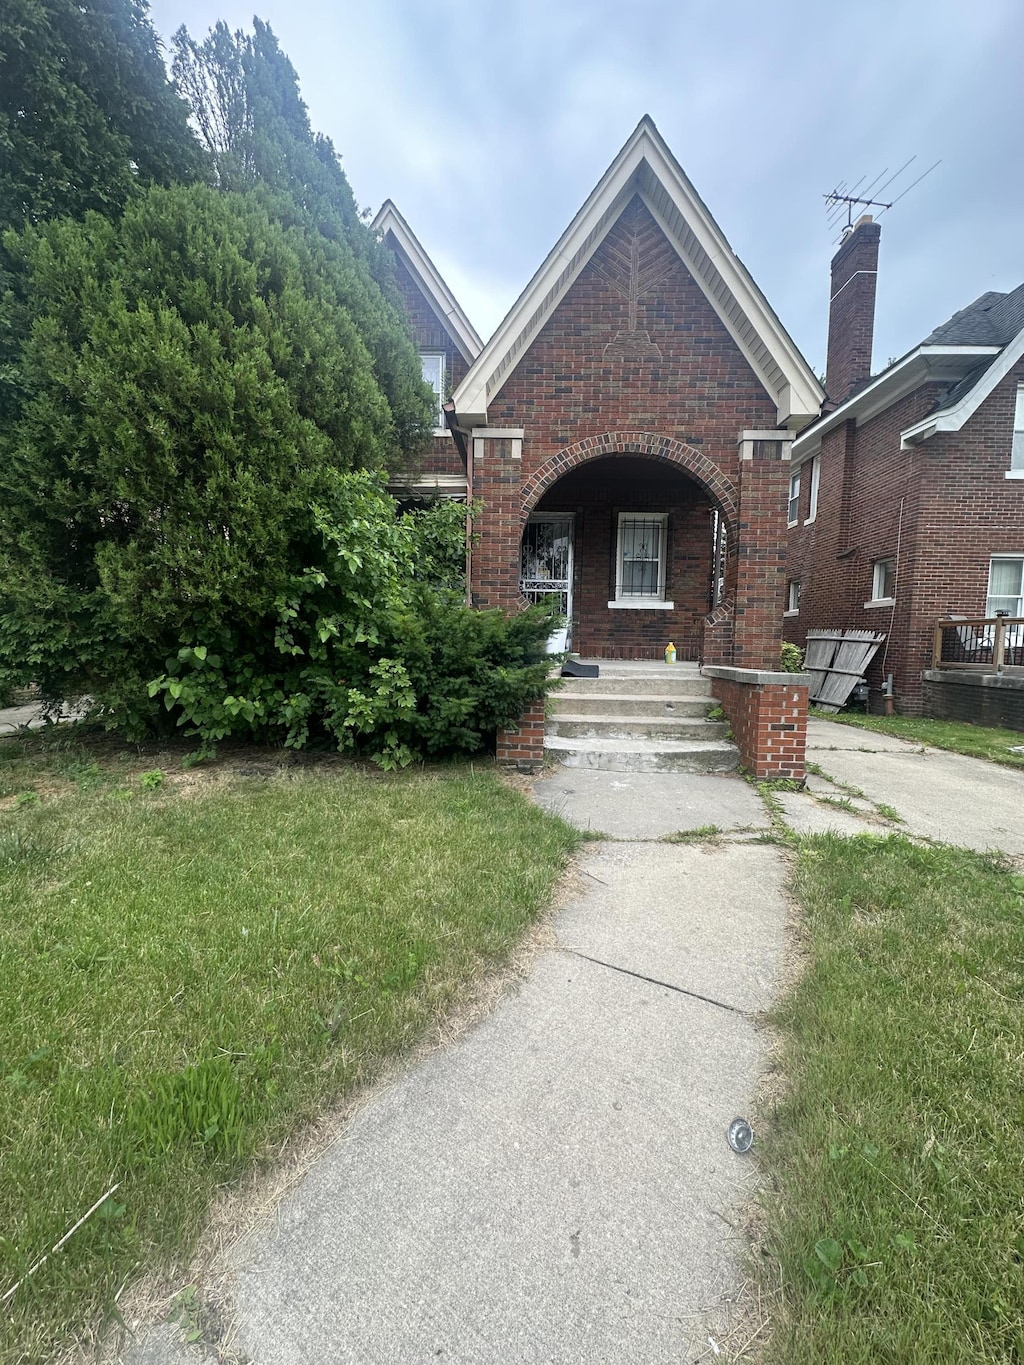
372,649
792,658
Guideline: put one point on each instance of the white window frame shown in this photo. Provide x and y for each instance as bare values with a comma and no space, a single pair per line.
793,598
989,609
623,600
440,429
812,510
793,506
1016,469
878,575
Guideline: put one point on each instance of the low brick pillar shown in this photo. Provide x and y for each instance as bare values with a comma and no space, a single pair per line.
768,715
522,746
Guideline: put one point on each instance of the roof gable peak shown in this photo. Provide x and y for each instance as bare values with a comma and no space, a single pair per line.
645,167
392,227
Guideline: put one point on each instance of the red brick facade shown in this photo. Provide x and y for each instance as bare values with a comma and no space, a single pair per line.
769,725
636,413
430,335
944,507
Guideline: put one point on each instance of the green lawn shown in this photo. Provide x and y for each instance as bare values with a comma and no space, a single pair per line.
192,966
977,741
895,1162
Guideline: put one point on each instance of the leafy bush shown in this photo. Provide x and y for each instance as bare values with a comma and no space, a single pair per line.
372,649
792,658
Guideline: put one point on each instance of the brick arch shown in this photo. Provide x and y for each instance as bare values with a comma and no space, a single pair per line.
644,443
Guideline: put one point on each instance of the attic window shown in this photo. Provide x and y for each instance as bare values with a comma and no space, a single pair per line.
433,373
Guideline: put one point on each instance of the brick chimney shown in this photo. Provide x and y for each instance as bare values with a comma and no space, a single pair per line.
851,311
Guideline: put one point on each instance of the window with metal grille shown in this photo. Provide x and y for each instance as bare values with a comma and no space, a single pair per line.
641,557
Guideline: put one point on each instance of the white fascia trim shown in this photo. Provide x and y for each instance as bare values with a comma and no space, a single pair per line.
954,418
892,384
436,292
643,163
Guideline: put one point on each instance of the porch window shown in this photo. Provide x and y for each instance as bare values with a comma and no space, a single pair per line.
433,374
640,560
793,597
1005,585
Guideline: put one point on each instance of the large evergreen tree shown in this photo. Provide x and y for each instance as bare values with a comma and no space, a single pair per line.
87,114
253,124
192,380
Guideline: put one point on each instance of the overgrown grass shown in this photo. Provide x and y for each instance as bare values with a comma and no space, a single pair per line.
192,967
976,741
896,1160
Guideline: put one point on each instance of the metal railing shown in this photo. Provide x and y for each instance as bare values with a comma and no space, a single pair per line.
990,644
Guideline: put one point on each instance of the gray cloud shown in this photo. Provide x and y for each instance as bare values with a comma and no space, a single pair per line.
489,123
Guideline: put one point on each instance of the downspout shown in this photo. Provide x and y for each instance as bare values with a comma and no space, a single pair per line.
462,441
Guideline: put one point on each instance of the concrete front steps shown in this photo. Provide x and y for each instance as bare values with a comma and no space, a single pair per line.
638,717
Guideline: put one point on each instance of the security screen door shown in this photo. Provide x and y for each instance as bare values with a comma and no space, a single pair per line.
546,560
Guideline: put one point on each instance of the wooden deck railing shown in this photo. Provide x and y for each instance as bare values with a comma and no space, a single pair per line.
989,644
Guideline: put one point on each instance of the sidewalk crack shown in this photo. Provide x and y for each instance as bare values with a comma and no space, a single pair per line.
654,981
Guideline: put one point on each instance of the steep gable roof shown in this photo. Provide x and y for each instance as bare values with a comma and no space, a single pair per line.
970,354
993,320
647,168
401,238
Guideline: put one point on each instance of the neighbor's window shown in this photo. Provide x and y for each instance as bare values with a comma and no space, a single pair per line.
1017,451
641,559
1005,585
812,510
433,373
883,583
794,595
793,515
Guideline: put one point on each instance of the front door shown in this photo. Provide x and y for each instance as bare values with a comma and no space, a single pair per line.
546,560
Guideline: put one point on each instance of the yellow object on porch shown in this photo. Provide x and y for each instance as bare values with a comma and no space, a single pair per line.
670,653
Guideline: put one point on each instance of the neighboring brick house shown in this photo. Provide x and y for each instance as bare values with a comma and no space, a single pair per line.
445,338
907,495
627,429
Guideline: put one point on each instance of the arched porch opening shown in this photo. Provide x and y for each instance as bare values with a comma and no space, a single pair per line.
636,545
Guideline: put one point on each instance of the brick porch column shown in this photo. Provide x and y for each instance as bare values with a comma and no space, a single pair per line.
761,546
496,478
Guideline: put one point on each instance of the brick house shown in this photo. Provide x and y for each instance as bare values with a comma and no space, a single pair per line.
627,429
906,500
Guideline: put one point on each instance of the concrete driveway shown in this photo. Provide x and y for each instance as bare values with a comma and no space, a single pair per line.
939,795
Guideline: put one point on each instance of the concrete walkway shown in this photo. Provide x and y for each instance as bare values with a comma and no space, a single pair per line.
556,1186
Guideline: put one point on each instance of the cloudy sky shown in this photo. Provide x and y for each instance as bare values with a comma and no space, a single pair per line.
488,122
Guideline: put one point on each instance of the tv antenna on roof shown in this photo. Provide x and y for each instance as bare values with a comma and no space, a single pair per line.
842,199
